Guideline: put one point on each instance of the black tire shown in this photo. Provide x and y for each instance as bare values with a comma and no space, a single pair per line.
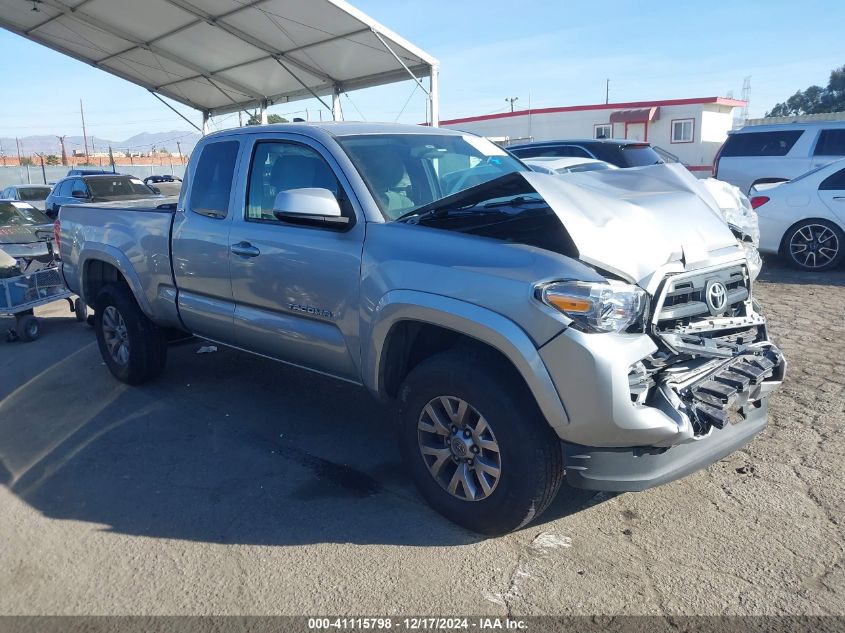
27,328
529,451
822,258
147,344
80,310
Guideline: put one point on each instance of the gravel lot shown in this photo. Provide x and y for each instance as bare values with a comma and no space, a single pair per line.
237,485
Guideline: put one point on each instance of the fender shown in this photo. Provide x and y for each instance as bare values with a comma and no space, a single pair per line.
94,251
471,320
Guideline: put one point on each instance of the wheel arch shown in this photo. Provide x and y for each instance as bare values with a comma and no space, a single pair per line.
410,326
105,264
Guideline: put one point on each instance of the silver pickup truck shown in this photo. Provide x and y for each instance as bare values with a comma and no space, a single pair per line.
598,327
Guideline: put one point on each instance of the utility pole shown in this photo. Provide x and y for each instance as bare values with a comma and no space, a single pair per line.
64,153
511,100
20,163
2,154
84,133
179,147
43,171
607,90
111,160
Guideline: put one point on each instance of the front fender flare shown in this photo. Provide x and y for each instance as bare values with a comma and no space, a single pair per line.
470,320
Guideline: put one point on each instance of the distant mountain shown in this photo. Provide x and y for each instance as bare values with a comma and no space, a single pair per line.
143,142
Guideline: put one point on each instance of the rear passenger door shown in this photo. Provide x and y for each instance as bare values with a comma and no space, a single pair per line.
295,286
832,193
200,242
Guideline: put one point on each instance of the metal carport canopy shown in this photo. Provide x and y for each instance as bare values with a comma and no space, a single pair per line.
222,56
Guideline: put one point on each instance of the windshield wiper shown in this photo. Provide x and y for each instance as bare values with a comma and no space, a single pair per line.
490,208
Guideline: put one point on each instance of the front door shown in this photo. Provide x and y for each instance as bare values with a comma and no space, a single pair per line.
636,131
295,286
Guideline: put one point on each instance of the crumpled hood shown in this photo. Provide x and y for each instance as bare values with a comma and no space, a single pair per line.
633,221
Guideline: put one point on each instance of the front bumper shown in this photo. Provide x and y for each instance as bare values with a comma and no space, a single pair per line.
634,469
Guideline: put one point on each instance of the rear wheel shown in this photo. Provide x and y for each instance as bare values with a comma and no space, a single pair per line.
80,310
27,328
814,245
476,444
133,347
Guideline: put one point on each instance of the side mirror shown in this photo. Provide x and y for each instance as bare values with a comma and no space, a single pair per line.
311,206
78,193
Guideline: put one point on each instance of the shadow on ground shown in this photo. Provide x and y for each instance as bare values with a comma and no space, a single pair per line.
776,270
225,447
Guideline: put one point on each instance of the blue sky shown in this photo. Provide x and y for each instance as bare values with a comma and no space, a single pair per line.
546,52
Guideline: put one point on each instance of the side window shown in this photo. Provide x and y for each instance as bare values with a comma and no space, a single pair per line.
831,143
77,184
835,182
682,131
761,143
212,182
280,166
63,188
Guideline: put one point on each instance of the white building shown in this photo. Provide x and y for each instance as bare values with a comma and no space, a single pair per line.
690,129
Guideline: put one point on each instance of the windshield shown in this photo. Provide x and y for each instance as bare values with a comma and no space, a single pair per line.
118,187
407,171
33,193
12,214
626,155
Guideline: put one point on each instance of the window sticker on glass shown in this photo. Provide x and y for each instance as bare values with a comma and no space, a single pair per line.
21,205
488,148
136,181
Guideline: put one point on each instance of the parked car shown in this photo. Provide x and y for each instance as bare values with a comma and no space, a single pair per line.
165,184
572,165
97,188
804,219
89,172
619,152
25,233
764,154
526,326
31,194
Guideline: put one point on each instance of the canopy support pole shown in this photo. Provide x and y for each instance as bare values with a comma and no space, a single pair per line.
194,125
434,96
263,112
302,83
337,112
205,118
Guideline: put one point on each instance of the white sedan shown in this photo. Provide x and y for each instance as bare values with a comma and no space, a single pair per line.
566,165
804,219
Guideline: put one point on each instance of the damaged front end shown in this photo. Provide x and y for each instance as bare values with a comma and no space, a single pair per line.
715,363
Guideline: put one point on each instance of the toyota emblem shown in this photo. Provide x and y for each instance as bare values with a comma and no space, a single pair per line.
716,295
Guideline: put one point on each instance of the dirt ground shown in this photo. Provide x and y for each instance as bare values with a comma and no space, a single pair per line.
234,485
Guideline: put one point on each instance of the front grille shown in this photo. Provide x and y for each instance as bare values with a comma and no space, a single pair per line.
684,301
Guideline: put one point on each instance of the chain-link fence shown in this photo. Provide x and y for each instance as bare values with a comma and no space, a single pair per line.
32,174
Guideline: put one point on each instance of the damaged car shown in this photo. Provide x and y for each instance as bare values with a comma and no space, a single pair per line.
526,328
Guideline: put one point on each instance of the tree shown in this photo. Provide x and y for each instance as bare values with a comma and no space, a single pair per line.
26,160
51,159
255,119
815,99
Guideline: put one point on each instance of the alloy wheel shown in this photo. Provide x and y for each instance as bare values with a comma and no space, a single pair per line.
459,448
813,246
115,335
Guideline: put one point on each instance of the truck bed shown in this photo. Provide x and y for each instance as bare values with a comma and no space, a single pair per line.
132,235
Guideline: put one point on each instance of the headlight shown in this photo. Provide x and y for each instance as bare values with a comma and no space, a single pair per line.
752,256
596,307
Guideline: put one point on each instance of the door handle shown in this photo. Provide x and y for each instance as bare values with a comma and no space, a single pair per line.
839,197
245,249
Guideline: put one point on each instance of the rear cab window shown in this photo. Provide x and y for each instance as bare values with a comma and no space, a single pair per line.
761,143
211,187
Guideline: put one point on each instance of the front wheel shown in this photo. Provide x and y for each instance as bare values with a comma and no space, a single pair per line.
476,444
814,245
133,347
27,328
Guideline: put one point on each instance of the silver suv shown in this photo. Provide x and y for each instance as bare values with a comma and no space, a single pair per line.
764,154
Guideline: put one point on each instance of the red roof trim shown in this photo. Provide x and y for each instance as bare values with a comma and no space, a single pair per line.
735,103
